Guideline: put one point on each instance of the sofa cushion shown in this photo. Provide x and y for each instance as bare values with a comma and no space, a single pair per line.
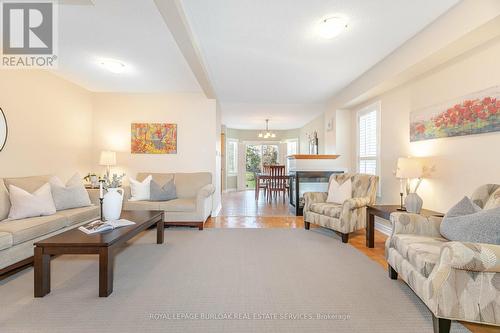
179,205
188,184
79,215
466,222
25,205
494,200
163,192
33,227
5,240
328,209
29,184
338,193
160,178
141,205
71,195
140,190
421,251
483,193
4,201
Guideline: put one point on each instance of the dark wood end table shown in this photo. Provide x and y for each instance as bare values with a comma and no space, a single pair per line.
384,211
103,244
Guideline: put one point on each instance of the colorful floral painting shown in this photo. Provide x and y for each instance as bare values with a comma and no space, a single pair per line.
154,138
473,114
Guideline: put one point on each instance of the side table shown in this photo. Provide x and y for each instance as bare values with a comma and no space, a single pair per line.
384,211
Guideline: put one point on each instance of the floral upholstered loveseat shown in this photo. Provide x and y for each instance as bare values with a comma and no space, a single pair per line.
456,280
346,217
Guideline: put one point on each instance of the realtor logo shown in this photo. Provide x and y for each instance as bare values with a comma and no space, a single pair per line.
28,30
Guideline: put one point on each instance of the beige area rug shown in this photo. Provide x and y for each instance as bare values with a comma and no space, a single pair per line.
220,280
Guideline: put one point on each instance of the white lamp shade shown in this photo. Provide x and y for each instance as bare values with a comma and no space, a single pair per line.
108,158
409,168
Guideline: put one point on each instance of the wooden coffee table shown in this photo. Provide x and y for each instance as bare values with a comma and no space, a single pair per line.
77,242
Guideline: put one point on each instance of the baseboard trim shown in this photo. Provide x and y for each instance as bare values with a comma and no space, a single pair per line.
383,228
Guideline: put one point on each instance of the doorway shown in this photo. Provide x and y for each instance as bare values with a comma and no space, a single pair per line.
258,155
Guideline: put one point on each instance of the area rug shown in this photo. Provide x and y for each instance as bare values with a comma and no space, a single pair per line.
220,280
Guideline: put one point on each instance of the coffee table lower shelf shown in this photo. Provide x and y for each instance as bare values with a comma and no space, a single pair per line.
103,244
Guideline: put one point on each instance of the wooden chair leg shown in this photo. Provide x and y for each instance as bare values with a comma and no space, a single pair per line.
441,325
345,238
307,225
392,273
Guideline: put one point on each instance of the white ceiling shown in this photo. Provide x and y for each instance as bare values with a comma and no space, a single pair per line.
262,52
130,31
281,116
263,57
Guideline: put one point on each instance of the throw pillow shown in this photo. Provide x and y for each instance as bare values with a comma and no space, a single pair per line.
140,190
466,222
71,195
338,193
25,204
463,207
494,200
163,193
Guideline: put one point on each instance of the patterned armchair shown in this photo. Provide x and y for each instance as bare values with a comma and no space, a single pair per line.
342,218
456,280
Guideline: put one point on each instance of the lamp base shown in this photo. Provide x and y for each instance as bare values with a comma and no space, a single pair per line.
401,208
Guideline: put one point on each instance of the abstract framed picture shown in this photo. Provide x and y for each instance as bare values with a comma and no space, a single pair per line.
153,138
475,113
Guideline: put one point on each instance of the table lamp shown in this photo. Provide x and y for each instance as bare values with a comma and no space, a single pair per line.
408,169
108,159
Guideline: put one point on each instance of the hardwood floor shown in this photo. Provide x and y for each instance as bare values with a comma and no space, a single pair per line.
239,210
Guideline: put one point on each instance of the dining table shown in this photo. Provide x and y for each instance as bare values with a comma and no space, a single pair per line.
265,176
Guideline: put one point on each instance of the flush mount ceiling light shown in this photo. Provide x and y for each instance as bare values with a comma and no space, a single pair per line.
114,66
267,134
331,27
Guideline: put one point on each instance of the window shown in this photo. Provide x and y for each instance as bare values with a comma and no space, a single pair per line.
232,156
368,140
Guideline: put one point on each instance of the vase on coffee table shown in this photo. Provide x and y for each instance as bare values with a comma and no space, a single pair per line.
112,204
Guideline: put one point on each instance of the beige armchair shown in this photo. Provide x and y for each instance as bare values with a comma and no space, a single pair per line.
455,280
342,218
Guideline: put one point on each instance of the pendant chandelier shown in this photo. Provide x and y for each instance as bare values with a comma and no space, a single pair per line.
267,134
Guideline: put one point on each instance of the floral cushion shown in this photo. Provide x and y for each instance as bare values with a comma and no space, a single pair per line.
422,252
325,208
494,200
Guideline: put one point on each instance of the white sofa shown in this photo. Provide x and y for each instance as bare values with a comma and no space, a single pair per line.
193,205
18,236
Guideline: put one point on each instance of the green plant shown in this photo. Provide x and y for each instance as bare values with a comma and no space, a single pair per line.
114,181
87,177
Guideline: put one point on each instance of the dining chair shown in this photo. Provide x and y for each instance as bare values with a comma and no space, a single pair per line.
277,182
262,182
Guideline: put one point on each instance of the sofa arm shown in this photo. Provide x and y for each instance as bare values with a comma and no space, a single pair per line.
204,201
477,257
313,197
408,223
355,203
206,191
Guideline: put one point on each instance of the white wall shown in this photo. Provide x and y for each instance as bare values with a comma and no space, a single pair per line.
318,125
49,125
56,127
462,163
196,119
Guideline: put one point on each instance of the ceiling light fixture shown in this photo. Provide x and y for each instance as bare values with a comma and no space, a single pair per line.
267,134
331,27
114,66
